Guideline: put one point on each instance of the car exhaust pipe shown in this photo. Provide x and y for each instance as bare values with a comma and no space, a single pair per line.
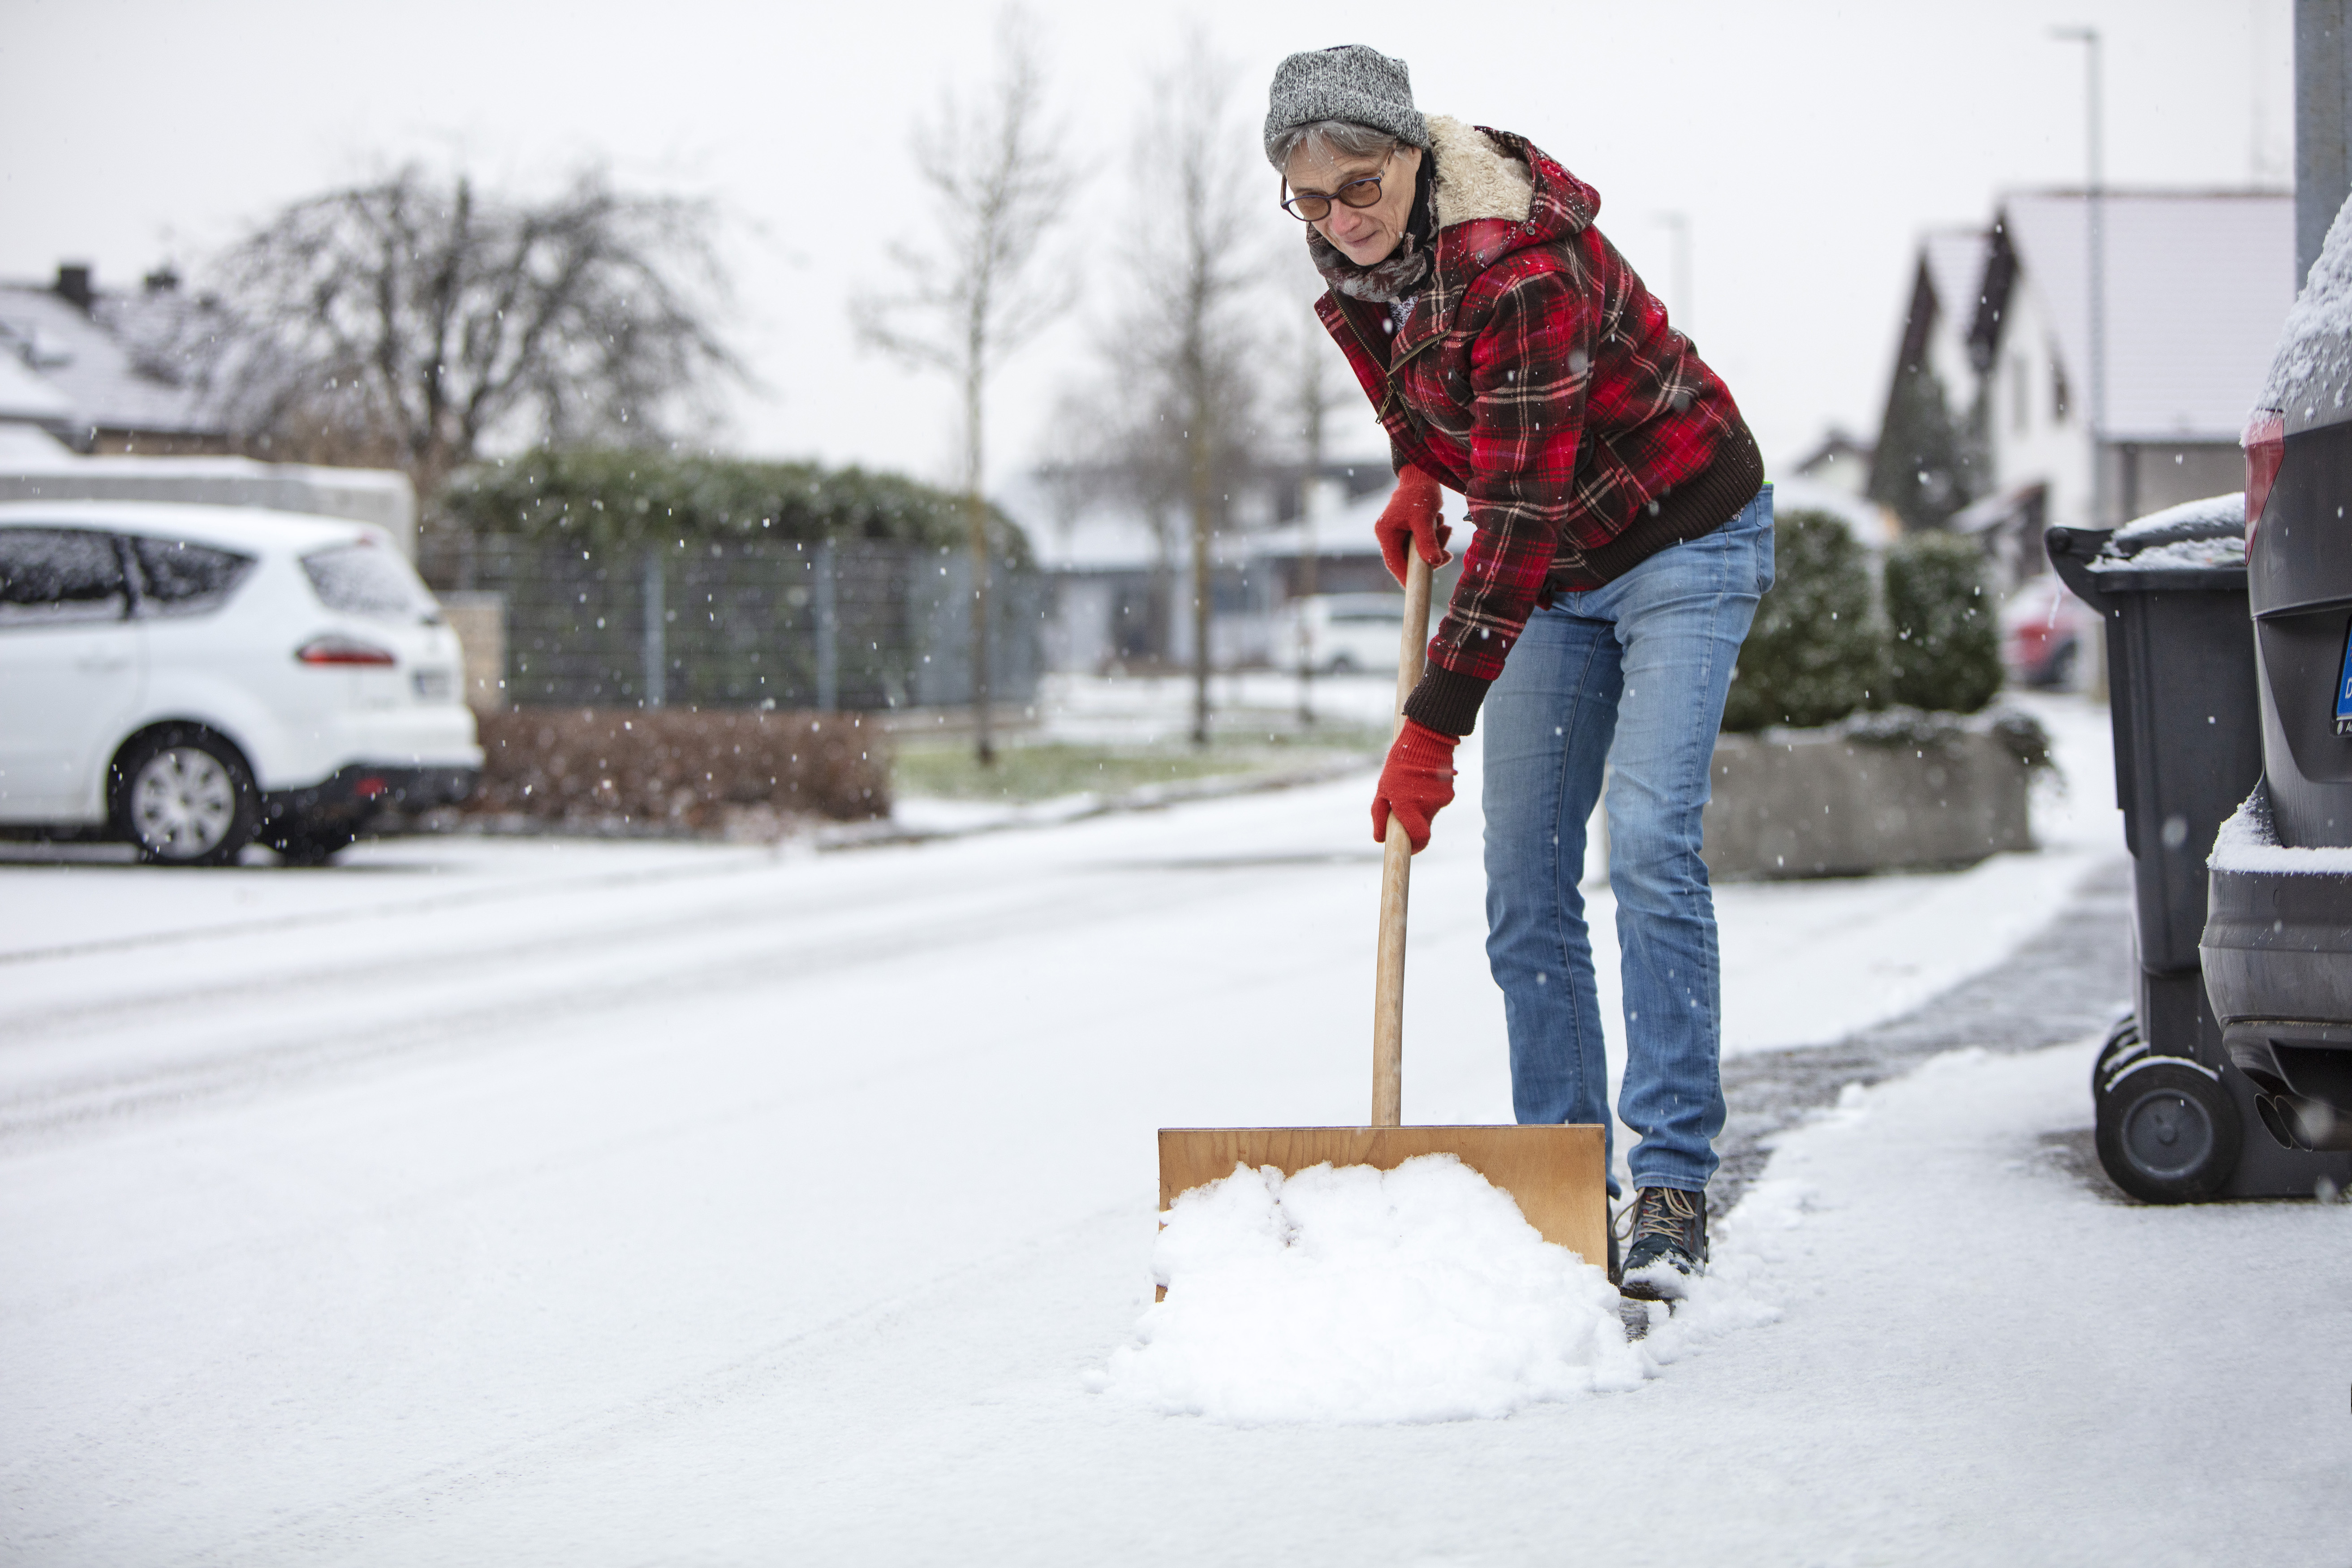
2308,1125
2274,1121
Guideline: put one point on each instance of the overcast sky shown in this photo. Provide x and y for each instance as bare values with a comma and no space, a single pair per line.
1806,142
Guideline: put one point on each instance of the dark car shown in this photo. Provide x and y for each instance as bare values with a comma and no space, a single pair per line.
2277,945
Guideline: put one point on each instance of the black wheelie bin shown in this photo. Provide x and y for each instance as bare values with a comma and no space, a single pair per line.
2177,1122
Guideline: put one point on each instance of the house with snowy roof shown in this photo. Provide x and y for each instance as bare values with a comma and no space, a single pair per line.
101,370
2195,285
1121,574
94,407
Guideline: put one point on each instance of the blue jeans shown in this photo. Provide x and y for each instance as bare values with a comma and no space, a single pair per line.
1632,674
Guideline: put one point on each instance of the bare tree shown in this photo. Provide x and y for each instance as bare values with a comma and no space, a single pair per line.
1313,392
998,187
412,318
1187,346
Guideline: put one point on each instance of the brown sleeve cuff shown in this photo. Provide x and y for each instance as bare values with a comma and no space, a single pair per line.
1447,701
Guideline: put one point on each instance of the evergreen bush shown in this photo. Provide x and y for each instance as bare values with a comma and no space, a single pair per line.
1816,652
1943,643
617,496
1931,459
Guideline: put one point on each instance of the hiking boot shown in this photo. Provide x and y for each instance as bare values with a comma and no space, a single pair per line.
1668,1244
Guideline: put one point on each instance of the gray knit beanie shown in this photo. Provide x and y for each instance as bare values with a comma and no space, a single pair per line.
1359,85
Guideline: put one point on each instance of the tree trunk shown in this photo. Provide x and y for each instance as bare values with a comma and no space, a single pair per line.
1311,492
976,509
1203,512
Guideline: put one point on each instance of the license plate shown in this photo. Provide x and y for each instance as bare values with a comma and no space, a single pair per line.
434,685
2344,687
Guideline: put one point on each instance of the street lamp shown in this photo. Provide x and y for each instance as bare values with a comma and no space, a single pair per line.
2096,196
1680,224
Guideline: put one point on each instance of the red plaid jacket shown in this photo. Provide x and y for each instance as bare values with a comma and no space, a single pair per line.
1536,376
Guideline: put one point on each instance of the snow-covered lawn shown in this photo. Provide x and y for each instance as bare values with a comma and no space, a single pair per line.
546,1202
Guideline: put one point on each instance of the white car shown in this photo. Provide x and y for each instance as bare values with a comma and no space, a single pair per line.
196,677
1341,634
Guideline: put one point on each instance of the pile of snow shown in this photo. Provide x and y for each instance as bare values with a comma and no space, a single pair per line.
2181,555
2215,517
2249,843
1358,1295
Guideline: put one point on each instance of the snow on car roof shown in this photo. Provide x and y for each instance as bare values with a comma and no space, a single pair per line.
248,527
2311,375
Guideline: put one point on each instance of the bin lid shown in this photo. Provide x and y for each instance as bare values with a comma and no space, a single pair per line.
2199,545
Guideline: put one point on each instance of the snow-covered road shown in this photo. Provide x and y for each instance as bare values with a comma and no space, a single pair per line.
520,1202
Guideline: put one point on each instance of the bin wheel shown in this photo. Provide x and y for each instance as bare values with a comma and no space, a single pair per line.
2123,1047
2168,1132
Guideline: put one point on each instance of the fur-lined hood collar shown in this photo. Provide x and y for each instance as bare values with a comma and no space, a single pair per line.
1475,178
1496,193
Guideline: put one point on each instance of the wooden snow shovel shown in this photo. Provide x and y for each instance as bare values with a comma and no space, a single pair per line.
1555,1174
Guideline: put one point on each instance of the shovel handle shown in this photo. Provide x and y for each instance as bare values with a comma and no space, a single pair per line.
1396,874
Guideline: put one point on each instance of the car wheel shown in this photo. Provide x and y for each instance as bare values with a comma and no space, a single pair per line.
2168,1132
185,799
1342,664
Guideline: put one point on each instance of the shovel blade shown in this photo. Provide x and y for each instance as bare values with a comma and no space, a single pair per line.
1555,1175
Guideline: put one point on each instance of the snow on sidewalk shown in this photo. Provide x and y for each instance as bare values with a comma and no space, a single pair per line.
1988,1355
599,1203
1982,1358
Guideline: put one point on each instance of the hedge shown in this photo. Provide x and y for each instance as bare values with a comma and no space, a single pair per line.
679,769
604,497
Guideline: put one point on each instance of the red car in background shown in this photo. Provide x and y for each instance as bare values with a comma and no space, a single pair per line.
2045,634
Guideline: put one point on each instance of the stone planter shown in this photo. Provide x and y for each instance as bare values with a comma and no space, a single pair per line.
1873,795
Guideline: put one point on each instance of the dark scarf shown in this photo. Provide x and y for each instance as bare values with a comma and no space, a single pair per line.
1406,269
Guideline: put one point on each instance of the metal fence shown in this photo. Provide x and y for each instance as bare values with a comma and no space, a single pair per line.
849,625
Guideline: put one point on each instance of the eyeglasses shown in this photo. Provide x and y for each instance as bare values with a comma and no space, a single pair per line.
1313,207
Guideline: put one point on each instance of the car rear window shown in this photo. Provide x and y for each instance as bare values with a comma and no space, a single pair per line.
55,576
176,578
366,579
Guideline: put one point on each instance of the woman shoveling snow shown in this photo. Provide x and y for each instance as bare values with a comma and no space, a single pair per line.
1624,534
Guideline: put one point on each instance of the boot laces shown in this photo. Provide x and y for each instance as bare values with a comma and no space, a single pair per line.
1664,1212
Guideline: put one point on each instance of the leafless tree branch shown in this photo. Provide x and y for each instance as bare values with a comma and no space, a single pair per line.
421,316
998,186
1184,357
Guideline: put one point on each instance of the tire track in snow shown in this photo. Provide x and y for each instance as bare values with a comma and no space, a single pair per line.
448,1020
275,970
809,1355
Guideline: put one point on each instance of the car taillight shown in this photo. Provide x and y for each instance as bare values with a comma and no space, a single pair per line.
2266,445
333,649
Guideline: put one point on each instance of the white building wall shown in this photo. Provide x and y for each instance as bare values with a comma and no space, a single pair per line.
2030,440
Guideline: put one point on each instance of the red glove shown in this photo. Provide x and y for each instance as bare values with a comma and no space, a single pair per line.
1411,513
1416,784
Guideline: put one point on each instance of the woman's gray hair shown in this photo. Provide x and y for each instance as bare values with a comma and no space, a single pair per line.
1335,137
